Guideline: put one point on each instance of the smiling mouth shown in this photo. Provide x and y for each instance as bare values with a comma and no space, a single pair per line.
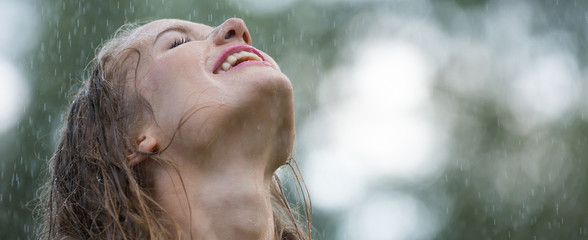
235,59
238,55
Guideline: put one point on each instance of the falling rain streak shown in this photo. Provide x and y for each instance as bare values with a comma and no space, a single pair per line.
415,119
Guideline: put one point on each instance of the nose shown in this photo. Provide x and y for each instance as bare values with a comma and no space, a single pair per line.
232,30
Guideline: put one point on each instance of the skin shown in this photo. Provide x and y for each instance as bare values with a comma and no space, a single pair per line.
238,128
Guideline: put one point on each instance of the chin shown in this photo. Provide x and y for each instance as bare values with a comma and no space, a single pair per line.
261,83
262,74
267,93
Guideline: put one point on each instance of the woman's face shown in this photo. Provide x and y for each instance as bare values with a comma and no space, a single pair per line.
199,80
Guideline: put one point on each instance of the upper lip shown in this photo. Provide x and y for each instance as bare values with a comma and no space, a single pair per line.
234,49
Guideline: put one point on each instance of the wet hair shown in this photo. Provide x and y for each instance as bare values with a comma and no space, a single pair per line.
92,191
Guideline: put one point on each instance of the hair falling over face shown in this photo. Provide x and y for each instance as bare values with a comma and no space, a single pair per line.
92,192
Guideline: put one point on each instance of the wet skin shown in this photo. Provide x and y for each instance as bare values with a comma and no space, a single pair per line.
227,133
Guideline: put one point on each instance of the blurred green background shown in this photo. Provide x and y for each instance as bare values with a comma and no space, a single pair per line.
423,119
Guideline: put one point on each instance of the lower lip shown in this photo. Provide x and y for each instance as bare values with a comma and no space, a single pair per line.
247,63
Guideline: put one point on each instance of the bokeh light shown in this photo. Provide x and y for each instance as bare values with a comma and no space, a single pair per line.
428,119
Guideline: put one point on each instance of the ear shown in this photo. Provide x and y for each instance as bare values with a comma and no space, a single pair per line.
146,144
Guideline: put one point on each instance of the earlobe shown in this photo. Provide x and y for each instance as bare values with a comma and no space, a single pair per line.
146,144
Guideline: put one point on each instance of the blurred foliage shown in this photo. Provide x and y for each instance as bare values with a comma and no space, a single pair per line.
311,35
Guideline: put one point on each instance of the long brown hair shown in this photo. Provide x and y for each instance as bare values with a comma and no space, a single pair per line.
92,192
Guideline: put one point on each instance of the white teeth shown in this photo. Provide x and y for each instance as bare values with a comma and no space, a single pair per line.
226,66
233,58
251,56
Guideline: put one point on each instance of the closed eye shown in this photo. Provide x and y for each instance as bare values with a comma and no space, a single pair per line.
179,41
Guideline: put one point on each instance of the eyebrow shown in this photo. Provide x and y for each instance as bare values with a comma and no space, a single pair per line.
177,28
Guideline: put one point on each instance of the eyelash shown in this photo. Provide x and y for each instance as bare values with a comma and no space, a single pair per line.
179,42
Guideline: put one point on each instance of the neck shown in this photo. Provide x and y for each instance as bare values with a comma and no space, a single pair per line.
234,203
224,192
219,184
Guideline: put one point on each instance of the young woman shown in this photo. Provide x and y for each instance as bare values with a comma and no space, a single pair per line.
177,134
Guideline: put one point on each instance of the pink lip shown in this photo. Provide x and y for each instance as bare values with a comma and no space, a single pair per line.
237,48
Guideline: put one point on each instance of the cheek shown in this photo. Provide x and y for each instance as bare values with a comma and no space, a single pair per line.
176,83
173,74
171,70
